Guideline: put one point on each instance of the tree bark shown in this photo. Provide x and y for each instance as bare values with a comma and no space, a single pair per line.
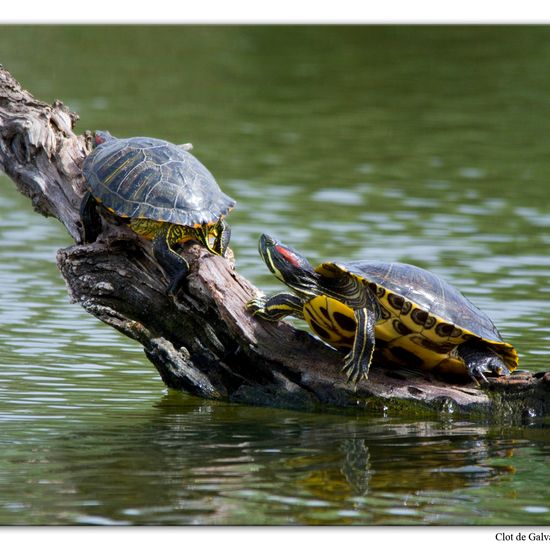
204,341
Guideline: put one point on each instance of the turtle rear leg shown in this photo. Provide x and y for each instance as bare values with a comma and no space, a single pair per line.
479,359
91,222
175,266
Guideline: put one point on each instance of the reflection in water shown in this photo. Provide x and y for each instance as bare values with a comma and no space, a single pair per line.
192,462
426,145
356,466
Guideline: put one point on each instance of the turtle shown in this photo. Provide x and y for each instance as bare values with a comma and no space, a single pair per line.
162,191
407,315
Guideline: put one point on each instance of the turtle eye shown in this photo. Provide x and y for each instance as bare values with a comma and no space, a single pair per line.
288,255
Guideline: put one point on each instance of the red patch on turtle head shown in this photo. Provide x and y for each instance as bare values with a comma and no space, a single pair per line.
288,255
99,139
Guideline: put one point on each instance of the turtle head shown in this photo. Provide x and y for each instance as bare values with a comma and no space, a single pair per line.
288,265
101,136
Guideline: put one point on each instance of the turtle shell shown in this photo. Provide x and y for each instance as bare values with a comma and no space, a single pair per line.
422,318
149,178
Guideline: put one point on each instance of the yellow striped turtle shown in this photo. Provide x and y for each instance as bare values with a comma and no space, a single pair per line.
408,315
164,193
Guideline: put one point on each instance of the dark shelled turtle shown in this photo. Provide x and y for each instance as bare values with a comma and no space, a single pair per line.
164,193
406,314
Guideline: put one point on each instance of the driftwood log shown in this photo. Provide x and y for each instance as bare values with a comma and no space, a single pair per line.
204,341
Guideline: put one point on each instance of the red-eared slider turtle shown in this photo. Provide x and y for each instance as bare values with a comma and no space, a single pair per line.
407,314
164,193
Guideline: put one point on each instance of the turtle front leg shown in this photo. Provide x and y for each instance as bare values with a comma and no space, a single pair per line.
479,360
364,304
358,360
91,222
175,266
277,306
223,236
221,232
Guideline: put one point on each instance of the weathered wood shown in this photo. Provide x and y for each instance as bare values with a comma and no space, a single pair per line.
204,341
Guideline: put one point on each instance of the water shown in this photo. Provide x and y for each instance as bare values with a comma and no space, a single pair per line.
426,145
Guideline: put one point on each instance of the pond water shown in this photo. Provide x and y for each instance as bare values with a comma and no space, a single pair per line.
427,145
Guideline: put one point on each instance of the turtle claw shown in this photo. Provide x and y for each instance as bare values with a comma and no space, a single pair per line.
495,368
256,305
476,373
177,283
353,370
480,361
